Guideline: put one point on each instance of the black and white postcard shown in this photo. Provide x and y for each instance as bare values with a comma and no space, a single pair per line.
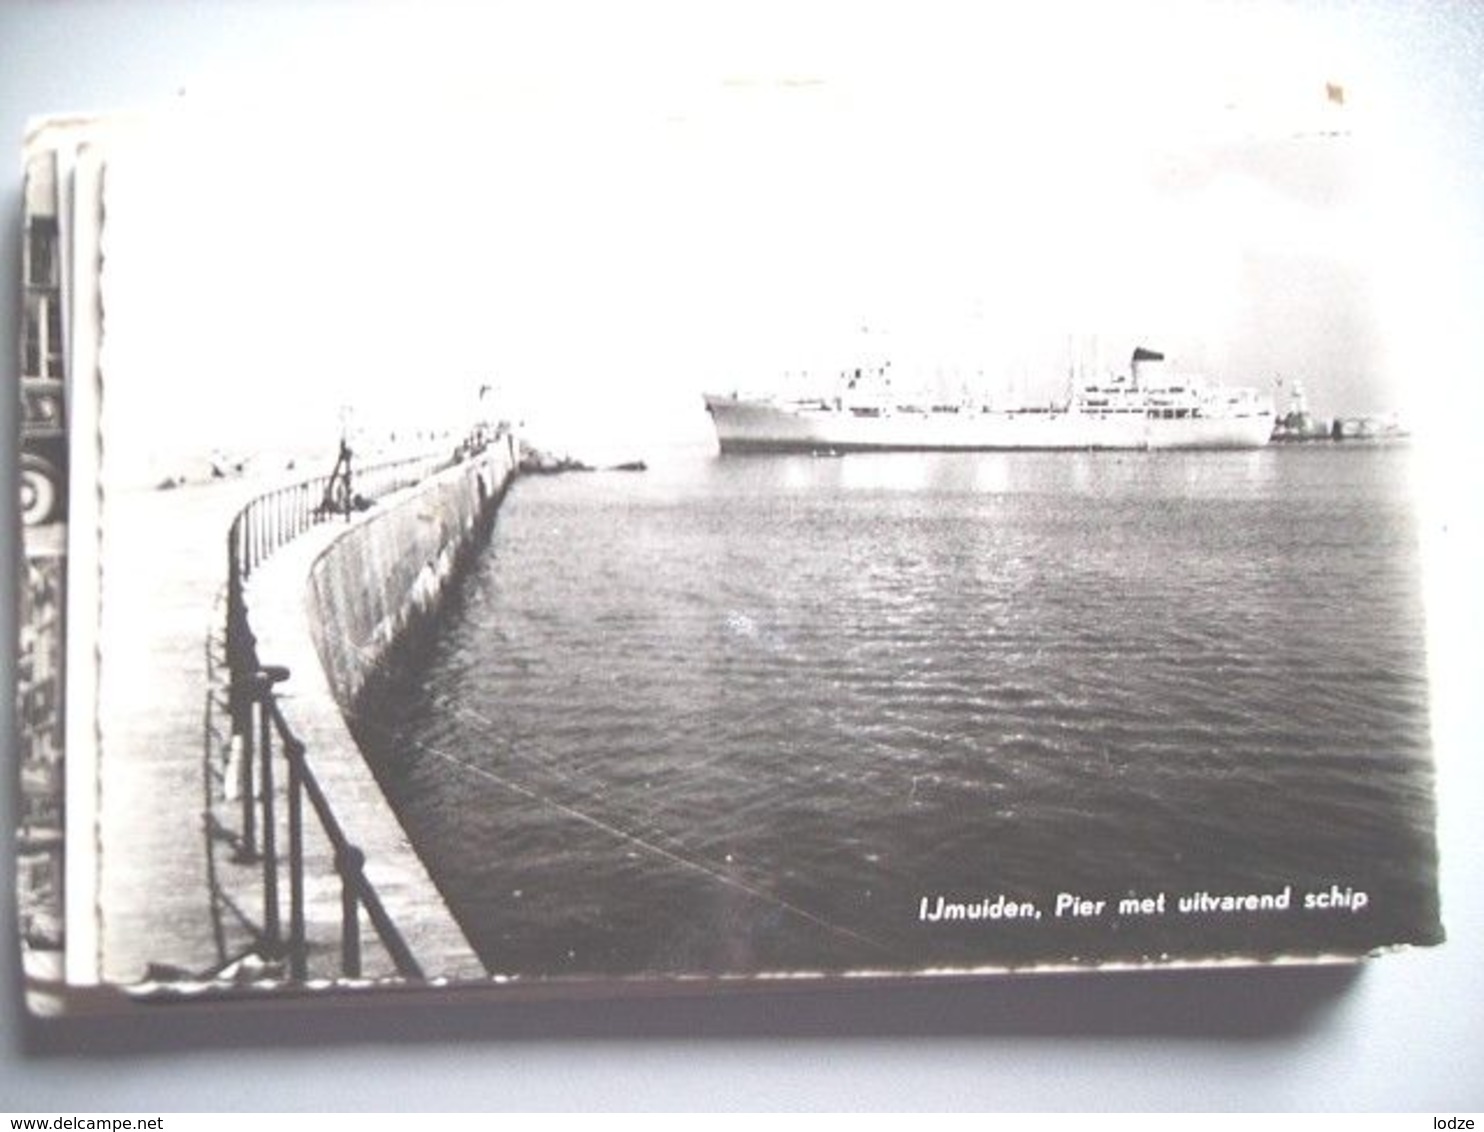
789,522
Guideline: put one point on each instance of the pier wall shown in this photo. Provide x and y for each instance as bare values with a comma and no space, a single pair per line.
379,580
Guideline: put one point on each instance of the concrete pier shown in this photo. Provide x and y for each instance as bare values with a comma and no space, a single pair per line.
280,610
326,606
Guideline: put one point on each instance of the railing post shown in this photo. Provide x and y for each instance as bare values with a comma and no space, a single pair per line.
248,850
349,862
241,691
272,927
272,932
293,751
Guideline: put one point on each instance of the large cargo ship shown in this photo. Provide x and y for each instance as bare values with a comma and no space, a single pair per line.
1142,410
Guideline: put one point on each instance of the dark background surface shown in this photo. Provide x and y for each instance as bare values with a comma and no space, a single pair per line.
1401,1033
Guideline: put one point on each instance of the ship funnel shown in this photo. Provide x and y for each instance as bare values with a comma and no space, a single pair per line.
1144,361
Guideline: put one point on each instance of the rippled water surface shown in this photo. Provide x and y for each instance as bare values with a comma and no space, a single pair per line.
747,714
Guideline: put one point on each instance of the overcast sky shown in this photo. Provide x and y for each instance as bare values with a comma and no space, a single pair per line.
604,216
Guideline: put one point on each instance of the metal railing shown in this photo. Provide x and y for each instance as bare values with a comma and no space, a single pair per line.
278,516
259,734
356,892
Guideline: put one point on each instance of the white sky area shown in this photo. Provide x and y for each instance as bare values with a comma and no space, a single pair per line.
604,213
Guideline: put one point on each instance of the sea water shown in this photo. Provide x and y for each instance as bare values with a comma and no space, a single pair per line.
898,711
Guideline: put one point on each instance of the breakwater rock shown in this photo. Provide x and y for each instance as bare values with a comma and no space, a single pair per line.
538,462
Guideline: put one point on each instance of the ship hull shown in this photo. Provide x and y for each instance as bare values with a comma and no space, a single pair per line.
744,425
